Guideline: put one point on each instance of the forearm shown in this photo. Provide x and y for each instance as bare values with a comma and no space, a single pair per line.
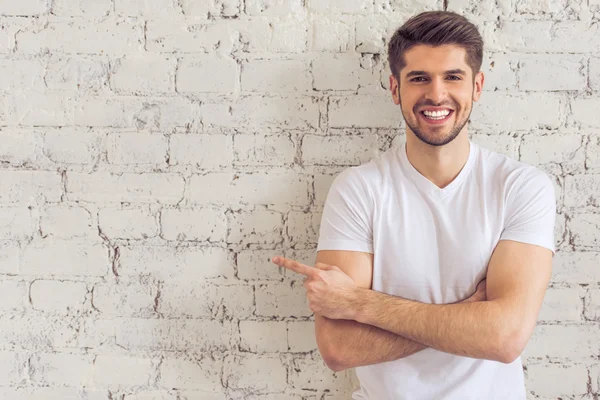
348,344
474,330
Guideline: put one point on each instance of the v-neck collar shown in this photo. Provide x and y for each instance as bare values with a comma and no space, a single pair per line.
429,187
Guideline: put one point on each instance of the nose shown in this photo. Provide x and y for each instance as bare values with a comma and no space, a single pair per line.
437,91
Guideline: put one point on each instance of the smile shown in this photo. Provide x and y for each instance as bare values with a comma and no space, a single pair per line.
436,117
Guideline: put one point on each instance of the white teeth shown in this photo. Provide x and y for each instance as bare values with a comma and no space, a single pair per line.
436,114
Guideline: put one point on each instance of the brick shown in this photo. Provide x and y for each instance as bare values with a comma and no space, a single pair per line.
19,146
108,371
181,224
372,34
16,223
595,73
124,299
179,264
103,187
80,37
81,8
26,187
58,369
211,9
9,258
223,71
547,343
78,73
582,191
151,395
274,75
63,297
393,6
27,109
43,393
551,73
5,41
221,36
576,267
262,112
559,149
503,144
584,230
263,336
11,368
500,71
592,156
35,332
64,258
206,301
290,35
273,8
264,149
21,75
546,36
256,373
338,150
315,374
15,296
551,380
592,305
301,336
23,8
136,148
257,265
260,227
303,228
331,34
136,112
282,300
143,74
364,111
583,111
226,188
595,376
143,8
322,185
326,72
203,373
173,335
562,304
66,222
341,6
83,147
523,111
202,151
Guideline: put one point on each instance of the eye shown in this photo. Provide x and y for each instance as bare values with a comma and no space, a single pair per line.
454,77
417,79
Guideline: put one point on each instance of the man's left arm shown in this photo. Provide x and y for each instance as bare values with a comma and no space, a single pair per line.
497,329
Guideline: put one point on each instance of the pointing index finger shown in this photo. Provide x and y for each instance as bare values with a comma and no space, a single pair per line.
295,266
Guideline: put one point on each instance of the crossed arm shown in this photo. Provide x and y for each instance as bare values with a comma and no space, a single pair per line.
357,326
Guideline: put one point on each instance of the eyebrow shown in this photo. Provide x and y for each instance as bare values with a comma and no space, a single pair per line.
456,71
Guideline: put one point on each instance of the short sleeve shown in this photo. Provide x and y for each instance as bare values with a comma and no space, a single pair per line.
531,210
347,215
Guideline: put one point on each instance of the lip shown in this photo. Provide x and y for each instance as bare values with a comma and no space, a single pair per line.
436,122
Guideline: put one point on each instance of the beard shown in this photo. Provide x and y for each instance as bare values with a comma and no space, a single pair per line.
434,140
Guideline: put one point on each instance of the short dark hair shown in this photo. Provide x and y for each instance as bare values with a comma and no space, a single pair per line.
435,28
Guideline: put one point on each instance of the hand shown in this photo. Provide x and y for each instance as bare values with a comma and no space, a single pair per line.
479,295
329,290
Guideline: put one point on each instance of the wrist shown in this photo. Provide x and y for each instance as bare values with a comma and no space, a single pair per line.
357,304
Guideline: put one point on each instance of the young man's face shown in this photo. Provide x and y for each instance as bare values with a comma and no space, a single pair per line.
436,91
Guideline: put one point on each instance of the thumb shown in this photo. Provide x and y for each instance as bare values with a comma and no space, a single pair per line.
324,267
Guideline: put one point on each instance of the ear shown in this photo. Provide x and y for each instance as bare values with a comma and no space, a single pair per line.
394,88
478,86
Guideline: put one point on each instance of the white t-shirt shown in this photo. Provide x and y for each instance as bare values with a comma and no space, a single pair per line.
433,245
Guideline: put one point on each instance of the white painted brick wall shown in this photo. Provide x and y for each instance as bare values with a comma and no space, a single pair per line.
156,154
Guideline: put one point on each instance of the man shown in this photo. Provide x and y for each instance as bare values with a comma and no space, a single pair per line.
433,260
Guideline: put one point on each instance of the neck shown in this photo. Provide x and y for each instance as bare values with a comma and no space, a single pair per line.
440,164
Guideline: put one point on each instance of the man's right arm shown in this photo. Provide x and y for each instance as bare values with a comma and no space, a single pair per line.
346,344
